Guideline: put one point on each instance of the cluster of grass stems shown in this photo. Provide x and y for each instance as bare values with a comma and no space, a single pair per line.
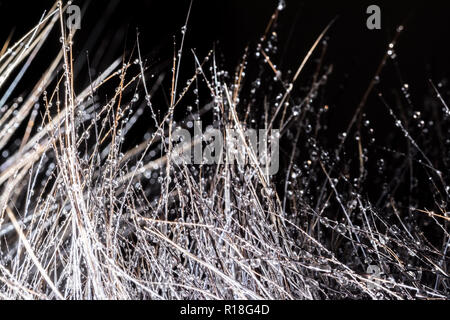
85,216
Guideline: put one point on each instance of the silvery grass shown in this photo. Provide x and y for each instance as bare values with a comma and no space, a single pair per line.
83,217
